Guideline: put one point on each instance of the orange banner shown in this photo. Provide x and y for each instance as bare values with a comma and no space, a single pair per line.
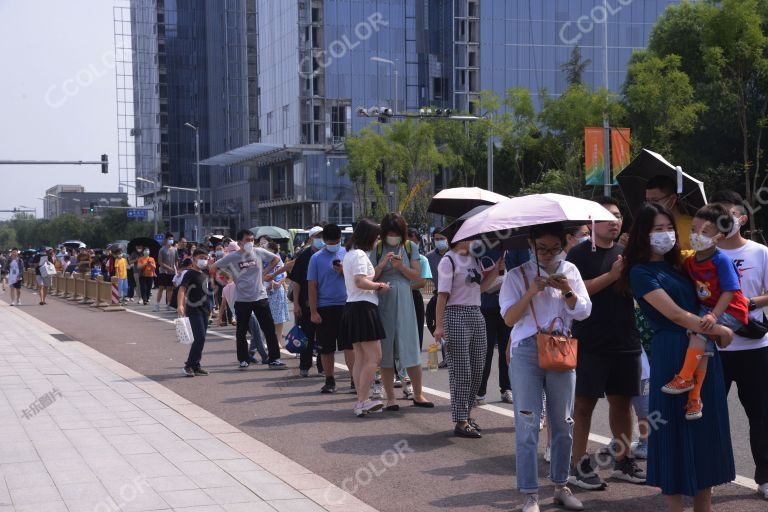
594,154
620,155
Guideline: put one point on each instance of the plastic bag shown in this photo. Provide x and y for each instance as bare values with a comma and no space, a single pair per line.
184,331
296,341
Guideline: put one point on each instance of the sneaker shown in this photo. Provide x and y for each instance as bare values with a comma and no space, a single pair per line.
378,391
200,371
408,390
693,410
531,503
368,407
304,373
277,365
677,386
398,382
548,454
244,365
328,389
640,450
188,371
763,490
628,470
612,448
443,364
506,397
156,308
584,476
480,401
565,498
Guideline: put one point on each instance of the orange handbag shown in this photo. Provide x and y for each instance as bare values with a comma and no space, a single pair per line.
557,352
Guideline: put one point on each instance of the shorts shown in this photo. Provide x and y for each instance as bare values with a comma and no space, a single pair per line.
361,322
327,332
16,285
727,320
164,280
44,281
641,402
598,375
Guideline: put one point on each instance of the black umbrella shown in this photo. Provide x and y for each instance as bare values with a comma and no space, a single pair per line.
635,176
450,230
455,202
150,243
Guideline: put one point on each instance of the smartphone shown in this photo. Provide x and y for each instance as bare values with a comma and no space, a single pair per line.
397,257
336,263
558,277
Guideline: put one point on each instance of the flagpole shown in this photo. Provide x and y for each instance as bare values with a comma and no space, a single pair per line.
607,177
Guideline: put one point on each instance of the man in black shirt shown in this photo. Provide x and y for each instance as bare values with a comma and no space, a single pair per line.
301,313
609,354
194,303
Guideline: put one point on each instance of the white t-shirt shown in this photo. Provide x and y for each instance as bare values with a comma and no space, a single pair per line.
357,263
13,275
752,262
460,276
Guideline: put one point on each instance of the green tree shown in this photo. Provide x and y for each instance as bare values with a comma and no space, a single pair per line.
575,67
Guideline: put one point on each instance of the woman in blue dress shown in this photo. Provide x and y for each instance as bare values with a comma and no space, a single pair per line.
684,458
278,299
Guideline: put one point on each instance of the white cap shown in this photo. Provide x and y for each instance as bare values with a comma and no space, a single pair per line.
233,247
315,230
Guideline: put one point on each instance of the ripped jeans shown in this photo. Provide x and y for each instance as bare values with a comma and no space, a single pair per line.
528,381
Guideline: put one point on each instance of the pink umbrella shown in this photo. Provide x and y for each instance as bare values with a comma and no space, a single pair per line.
510,220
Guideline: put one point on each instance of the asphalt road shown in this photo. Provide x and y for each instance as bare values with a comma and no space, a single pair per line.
404,461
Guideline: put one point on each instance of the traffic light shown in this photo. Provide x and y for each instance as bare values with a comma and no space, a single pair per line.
104,166
92,207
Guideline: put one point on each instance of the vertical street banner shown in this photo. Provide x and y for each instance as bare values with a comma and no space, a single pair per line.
594,155
620,155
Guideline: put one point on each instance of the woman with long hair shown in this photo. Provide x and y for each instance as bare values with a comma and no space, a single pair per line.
684,458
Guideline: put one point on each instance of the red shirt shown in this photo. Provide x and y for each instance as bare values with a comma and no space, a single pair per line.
712,277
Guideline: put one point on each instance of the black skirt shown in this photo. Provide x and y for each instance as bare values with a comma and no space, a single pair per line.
360,321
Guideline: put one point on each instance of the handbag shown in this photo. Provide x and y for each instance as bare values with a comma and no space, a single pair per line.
296,341
754,330
184,331
48,269
557,352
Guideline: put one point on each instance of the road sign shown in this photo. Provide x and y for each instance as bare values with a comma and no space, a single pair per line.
159,238
137,214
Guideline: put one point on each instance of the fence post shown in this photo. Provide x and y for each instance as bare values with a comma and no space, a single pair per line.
103,293
115,295
88,291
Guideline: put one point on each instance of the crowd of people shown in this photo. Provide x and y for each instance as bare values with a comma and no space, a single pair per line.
668,314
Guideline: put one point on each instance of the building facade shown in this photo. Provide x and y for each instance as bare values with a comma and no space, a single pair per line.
62,199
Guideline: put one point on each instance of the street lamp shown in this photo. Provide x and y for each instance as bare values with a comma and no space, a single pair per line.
394,65
197,165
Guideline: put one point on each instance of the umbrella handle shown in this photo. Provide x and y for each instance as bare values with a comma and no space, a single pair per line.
679,179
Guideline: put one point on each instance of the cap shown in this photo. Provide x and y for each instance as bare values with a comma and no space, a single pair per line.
315,230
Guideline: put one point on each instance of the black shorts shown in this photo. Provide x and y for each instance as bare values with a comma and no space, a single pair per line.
164,280
16,285
327,332
598,375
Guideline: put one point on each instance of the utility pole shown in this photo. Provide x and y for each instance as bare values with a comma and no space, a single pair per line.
200,231
608,178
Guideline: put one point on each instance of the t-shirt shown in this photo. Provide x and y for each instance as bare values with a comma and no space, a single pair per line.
246,270
298,275
195,285
83,263
357,263
426,271
166,256
712,277
460,275
147,262
331,287
14,271
752,262
434,257
611,328
121,268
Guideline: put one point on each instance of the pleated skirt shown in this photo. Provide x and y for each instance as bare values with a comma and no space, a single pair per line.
360,321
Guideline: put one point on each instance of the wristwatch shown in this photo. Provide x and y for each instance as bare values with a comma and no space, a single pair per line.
752,305
569,294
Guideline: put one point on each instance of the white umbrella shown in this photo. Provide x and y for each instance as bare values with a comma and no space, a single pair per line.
455,202
510,220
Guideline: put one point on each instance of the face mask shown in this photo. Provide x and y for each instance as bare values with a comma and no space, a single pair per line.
394,241
219,254
202,264
441,245
333,248
146,253
662,243
701,242
584,239
736,227
170,242
248,246
318,243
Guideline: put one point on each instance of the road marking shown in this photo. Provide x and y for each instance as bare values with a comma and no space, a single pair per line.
597,438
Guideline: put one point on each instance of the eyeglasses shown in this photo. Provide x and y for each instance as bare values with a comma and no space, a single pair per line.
552,252
658,199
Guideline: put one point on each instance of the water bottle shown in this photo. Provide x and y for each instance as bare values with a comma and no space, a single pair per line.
432,362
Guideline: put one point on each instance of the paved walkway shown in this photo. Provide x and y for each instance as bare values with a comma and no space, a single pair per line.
80,432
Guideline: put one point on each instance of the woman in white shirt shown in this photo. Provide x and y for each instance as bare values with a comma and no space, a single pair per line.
360,322
555,289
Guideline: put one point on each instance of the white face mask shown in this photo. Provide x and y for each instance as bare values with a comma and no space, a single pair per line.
248,246
736,227
584,239
394,241
663,242
701,242
202,264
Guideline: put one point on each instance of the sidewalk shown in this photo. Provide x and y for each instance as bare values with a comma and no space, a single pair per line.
80,432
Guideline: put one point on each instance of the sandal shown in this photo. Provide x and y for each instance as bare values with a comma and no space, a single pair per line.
472,423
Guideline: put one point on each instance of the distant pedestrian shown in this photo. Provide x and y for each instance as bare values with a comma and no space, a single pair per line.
147,268
15,268
276,295
193,302
361,324
84,262
461,325
433,257
44,278
121,272
3,269
167,264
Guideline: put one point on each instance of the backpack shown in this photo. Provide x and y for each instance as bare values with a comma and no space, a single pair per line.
380,250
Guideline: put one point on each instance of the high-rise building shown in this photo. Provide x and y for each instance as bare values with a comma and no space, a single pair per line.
274,86
73,199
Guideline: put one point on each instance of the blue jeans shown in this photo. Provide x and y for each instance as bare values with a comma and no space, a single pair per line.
199,324
528,382
122,286
257,342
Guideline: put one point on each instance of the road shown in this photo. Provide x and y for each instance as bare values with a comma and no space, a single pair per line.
402,461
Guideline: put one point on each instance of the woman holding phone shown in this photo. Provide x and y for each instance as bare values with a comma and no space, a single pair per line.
461,324
532,296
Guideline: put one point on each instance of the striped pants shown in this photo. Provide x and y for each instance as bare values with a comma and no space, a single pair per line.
465,334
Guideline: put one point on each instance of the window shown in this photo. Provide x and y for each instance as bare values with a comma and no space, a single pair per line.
285,116
269,123
437,88
338,123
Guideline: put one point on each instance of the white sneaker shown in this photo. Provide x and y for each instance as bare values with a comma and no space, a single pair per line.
531,503
408,390
479,401
506,397
156,308
378,391
548,454
763,489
